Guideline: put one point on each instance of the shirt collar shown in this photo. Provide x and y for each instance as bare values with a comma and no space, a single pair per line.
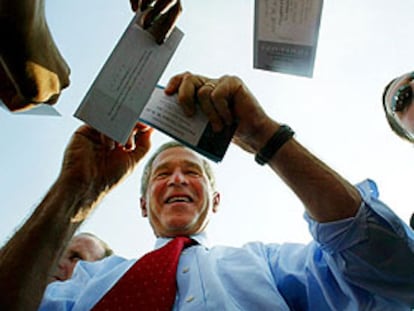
201,239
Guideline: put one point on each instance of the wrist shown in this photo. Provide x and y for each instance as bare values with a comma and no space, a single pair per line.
262,134
283,134
82,195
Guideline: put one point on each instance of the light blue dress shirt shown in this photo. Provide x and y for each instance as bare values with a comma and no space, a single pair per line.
361,263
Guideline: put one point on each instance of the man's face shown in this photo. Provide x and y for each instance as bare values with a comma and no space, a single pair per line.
81,247
179,198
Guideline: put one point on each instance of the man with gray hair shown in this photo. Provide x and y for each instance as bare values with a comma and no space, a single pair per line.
361,257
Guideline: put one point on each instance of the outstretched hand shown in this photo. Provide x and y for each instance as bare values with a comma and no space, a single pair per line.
223,100
97,163
159,16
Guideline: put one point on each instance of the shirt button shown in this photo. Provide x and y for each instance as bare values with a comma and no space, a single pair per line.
186,269
189,298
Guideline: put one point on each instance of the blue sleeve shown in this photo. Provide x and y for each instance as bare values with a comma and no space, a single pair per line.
90,280
373,250
61,296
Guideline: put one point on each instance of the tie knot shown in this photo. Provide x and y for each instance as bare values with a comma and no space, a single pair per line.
151,277
183,241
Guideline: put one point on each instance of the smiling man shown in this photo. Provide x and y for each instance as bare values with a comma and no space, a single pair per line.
179,210
361,257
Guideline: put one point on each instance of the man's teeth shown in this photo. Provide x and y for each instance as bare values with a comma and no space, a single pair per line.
178,199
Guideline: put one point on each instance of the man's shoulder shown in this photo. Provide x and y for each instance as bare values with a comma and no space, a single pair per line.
110,262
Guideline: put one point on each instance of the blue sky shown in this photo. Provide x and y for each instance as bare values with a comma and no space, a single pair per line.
337,115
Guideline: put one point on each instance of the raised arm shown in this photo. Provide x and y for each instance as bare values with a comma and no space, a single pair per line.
325,194
92,166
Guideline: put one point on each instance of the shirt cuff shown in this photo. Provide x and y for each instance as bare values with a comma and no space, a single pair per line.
342,234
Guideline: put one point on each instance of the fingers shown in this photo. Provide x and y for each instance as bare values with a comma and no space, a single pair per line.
134,5
10,95
174,83
138,138
130,144
144,4
164,26
24,90
140,4
211,106
160,18
186,85
142,127
159,8
142,142
96,138
214,97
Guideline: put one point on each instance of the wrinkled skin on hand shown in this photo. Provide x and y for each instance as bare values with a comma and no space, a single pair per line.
32,70
223,101
97,163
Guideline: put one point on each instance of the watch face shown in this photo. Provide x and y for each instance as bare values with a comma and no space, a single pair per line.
399,107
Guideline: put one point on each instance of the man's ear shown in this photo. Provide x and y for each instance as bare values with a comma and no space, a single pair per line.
216,201
143,204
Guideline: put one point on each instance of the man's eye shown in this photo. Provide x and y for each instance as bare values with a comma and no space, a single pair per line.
193,173
161,174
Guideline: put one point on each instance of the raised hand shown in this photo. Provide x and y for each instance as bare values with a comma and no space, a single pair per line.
159,16
223,100
95,163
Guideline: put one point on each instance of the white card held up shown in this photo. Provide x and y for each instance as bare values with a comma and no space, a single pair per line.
119,93
125,91
163,113
286,35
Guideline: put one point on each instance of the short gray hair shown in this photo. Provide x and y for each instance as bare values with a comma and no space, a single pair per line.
168,145
108,251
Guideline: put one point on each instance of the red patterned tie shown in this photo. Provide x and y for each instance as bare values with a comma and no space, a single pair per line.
150,284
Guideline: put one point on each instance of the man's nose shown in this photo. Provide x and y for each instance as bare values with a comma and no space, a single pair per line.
178,177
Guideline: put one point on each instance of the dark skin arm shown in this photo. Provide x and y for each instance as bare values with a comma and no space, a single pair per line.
92,166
